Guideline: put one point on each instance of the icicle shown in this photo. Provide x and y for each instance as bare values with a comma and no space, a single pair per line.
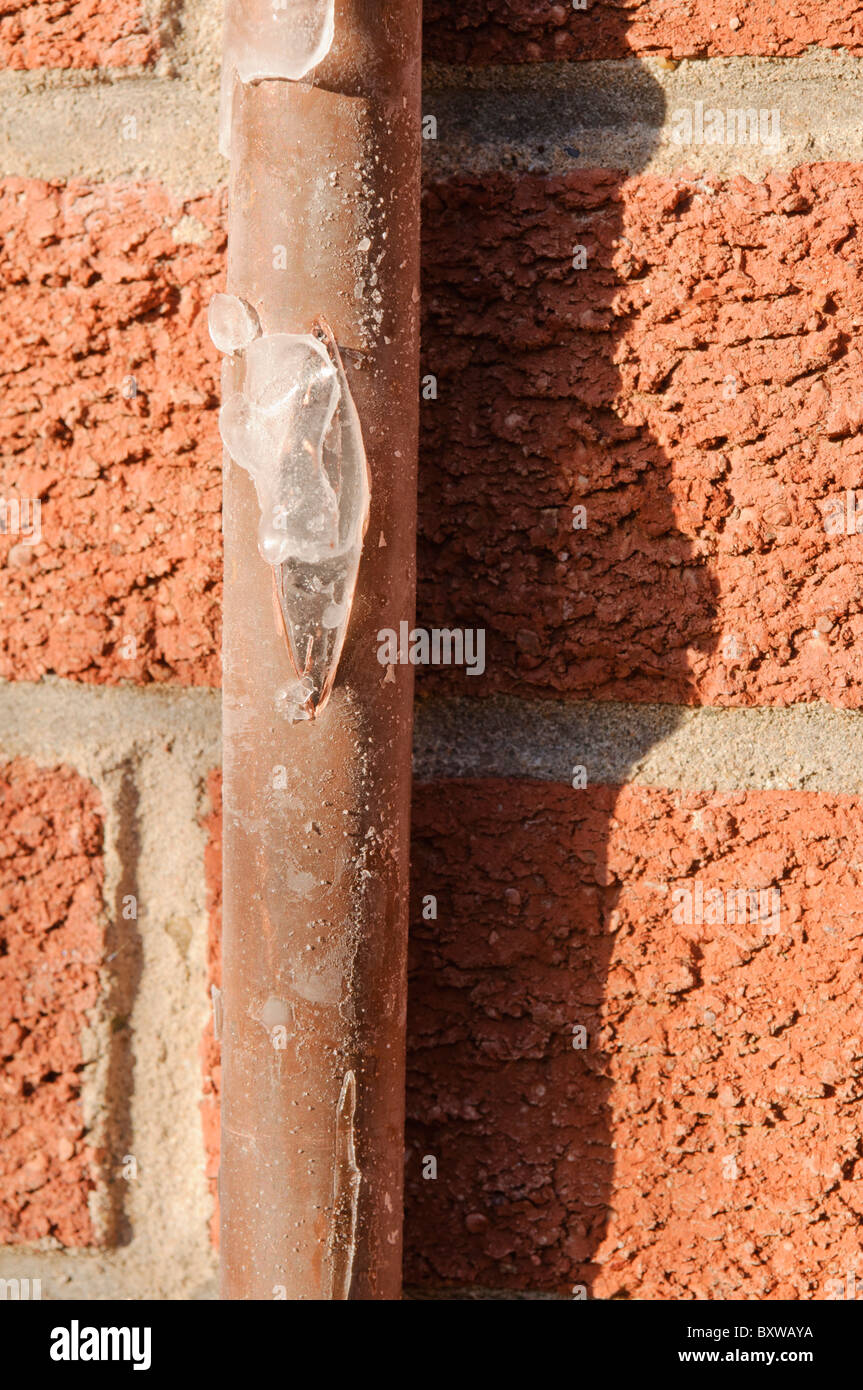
295,430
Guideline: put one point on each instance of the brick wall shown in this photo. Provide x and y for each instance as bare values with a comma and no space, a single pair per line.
638,477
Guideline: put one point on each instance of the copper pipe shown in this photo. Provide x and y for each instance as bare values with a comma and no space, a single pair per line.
317,811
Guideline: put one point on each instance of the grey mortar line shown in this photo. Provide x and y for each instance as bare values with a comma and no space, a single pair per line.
621,114
802,747
812,747
613,113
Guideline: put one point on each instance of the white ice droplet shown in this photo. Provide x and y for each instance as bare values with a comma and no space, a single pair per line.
333,614
233,323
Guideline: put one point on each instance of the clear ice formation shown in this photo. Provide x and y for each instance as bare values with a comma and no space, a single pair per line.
233,323
295,430
271,38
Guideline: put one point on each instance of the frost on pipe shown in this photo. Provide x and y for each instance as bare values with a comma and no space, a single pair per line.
294,428
271,38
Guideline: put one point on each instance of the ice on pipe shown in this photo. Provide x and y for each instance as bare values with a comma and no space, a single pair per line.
294,428
276,429
271,38
233,323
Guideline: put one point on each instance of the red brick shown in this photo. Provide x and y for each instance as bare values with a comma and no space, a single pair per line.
210,1048
529,31
605,1166
608,1166
50,955
705,526
75,34
705,574
98,292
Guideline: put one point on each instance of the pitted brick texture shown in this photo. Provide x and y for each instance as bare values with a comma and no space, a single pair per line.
50,955
106,295
74,34
696,388
706,1144
705,573
524,31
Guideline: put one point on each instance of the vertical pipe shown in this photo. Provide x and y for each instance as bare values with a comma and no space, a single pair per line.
324,212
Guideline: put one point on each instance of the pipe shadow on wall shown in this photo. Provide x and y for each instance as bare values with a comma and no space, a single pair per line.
542,369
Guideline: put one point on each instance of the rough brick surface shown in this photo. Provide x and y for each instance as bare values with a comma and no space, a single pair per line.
520,31
210,1049
74,34
706,1142
695,388
106,294
50,954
